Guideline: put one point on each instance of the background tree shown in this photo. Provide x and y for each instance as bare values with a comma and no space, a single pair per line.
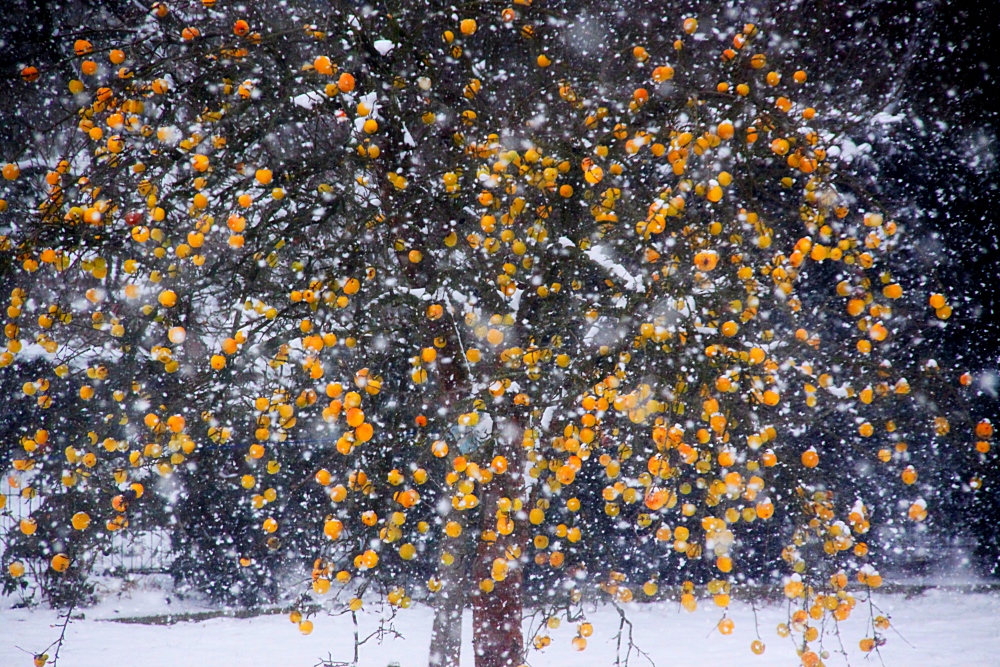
501,299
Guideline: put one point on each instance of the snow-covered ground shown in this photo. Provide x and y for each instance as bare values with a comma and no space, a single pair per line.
938,629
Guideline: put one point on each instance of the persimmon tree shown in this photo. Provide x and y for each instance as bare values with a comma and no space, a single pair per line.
435,302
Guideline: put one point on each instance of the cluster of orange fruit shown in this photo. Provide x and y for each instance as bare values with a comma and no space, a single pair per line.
667,363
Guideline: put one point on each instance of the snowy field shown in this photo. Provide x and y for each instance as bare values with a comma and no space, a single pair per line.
937,629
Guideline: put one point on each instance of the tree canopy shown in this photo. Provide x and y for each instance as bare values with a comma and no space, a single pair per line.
484,304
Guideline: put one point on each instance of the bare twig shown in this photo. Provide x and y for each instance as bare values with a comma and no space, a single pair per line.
629,638
58,643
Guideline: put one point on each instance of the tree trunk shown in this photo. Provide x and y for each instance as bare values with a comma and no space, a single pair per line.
496,620
496,616
449,603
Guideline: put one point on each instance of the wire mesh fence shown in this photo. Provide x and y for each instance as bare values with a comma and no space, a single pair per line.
126,552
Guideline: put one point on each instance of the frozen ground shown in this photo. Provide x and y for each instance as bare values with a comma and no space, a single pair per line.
938,628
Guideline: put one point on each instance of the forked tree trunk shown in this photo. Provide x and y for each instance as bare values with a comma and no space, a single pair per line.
496,616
